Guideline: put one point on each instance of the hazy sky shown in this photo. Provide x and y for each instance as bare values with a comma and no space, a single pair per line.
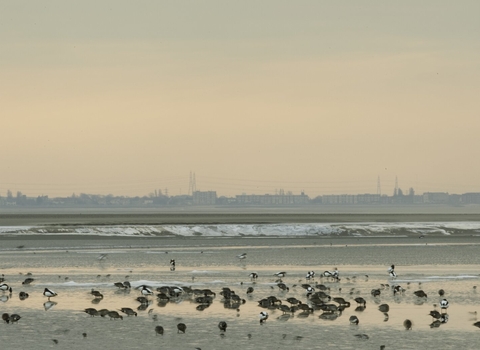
124,97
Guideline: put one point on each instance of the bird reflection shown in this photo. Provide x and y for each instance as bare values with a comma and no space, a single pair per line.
49,304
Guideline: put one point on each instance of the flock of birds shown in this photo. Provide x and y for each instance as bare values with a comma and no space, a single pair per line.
317,297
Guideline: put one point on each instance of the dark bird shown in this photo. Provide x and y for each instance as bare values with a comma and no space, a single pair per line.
222,325
435,314
181,327
280,274
407,324
128,311
28,281
384,308
91,311
49,293
249,290
477,324
23,295
159,330
14,318
114,315
420,293
360,300
253,275
6,318
354,320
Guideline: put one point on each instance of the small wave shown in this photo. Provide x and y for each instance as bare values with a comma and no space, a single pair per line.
400,229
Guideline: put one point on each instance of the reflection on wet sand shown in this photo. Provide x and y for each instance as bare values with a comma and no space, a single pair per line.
136,296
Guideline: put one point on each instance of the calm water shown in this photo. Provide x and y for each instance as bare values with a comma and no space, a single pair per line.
71,268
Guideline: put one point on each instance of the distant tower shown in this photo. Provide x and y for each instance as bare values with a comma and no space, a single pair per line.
395,192
192,186
379,188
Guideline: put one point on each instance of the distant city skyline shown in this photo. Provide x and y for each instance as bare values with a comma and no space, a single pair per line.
125,97
249,188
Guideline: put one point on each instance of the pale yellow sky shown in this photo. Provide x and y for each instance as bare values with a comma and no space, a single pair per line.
121,97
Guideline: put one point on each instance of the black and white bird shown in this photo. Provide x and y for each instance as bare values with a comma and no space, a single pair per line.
332,274
263,316
280,274
253,275
49,293
5,287
310,275
242,256
391,271
172,264
444,304
146,291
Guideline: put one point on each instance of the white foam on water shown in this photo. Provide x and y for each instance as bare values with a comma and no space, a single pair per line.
255,230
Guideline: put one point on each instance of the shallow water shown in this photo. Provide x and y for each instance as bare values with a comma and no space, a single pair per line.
71,268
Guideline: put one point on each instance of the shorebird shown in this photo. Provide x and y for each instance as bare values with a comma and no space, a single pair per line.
263,316
222,325
49,293
253,275
91,311
360,300
384,308
181,327
249,290
332,274
146,291
280,274
444,304
128,311
354,320
23,295
114,315
159,330
102,257
391,271
28,280
310,275
420,293
6,317
407,324
242,256
5,287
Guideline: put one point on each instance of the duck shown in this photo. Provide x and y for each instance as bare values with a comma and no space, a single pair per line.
181,327
280,274
222,325
407,324
354,320
444,304
242,256
159,330
28,280
263,316
128,311
253,275
146,291
49,293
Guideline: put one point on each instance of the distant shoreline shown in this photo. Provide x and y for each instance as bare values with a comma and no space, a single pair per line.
191,218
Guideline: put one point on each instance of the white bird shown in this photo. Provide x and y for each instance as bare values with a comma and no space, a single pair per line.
242,256
49,293
280,274
444,304
4,287
263,316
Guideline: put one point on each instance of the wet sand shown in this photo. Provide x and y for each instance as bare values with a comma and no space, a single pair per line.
69,265
90,217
